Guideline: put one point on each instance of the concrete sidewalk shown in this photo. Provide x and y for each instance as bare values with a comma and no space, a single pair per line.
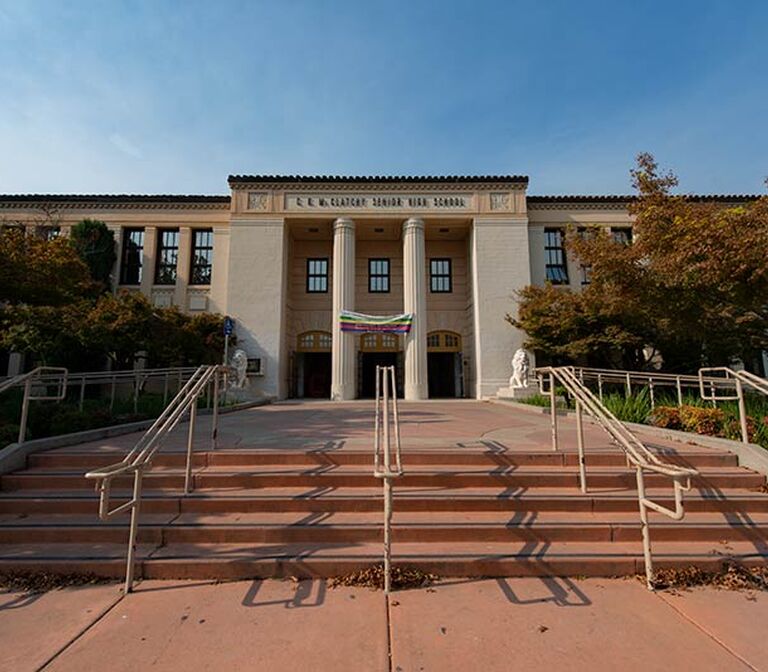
489,625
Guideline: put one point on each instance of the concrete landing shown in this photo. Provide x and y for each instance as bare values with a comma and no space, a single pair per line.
490,625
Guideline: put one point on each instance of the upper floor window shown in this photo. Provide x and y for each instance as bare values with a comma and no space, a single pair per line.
48,231
133,250
554,256
317,276
167,256
440,276
202,257
622,235
378,275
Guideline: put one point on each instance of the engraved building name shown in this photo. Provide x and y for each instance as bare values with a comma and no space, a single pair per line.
378,201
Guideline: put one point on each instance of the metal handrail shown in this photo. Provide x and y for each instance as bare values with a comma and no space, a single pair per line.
139,459
738,379
651,379
57,376
386,394
637,453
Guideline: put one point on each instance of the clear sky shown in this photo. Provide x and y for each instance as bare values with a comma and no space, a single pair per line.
170,97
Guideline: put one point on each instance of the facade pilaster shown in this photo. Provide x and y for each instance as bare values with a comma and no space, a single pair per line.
182,267
415,301
343,369
148,259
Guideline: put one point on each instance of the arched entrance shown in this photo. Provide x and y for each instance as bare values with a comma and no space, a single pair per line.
378,349
444,365
313,364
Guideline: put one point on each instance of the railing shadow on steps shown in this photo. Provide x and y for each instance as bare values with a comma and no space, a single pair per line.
139,459
638,455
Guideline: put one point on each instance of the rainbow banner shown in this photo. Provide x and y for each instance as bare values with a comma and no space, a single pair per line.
394,324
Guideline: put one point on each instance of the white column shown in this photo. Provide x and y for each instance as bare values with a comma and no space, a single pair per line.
343,379
415,301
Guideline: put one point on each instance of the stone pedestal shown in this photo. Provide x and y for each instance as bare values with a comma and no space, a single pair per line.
517,392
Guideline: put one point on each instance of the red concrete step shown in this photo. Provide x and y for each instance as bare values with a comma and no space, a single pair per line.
243,458
234,561
521,477
370,499
367,527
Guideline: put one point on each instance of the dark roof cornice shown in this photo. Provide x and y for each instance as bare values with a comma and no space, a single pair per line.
376,179
116,201
607,198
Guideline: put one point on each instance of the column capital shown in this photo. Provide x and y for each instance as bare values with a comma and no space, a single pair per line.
413,223
343,223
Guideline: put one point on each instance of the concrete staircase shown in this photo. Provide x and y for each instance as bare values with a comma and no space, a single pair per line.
467,512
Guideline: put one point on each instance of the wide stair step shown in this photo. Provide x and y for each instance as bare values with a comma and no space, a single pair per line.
460,512
238,561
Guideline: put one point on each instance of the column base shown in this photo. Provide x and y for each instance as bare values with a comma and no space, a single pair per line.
416,392
344,393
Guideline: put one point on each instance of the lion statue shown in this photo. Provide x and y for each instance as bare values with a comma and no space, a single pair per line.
521,363
239,364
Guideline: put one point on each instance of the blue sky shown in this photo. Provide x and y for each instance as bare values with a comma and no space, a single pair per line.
171,97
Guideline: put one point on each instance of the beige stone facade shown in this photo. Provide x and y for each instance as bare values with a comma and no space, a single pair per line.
451,250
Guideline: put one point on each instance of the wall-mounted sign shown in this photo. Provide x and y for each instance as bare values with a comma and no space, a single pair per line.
378,202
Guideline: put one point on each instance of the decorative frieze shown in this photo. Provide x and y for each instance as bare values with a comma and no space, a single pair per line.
257,200
500,201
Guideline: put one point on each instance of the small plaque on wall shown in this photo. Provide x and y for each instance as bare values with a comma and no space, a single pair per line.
198,302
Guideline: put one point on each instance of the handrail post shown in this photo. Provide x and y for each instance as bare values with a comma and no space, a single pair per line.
215,416
650,391
25,410
553,409
742,411
82,393
190,445
644,528
629,386
679,391
135,512
580,443
600,387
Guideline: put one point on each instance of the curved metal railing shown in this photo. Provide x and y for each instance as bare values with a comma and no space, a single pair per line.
42,375
637,453
736,381
139,459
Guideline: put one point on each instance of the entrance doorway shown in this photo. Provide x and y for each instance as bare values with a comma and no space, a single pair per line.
378,350
313,365
444,365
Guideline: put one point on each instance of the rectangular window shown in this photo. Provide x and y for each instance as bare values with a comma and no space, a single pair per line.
554,255
202,257
622,236
440,276
133,250
317,276
167,256
378,275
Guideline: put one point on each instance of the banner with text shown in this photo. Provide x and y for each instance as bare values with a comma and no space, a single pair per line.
393,324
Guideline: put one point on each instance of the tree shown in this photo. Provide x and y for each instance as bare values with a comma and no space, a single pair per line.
693,287
95,245
119,326
40,272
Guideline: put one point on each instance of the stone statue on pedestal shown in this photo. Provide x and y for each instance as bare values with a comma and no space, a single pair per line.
521,363
239,363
